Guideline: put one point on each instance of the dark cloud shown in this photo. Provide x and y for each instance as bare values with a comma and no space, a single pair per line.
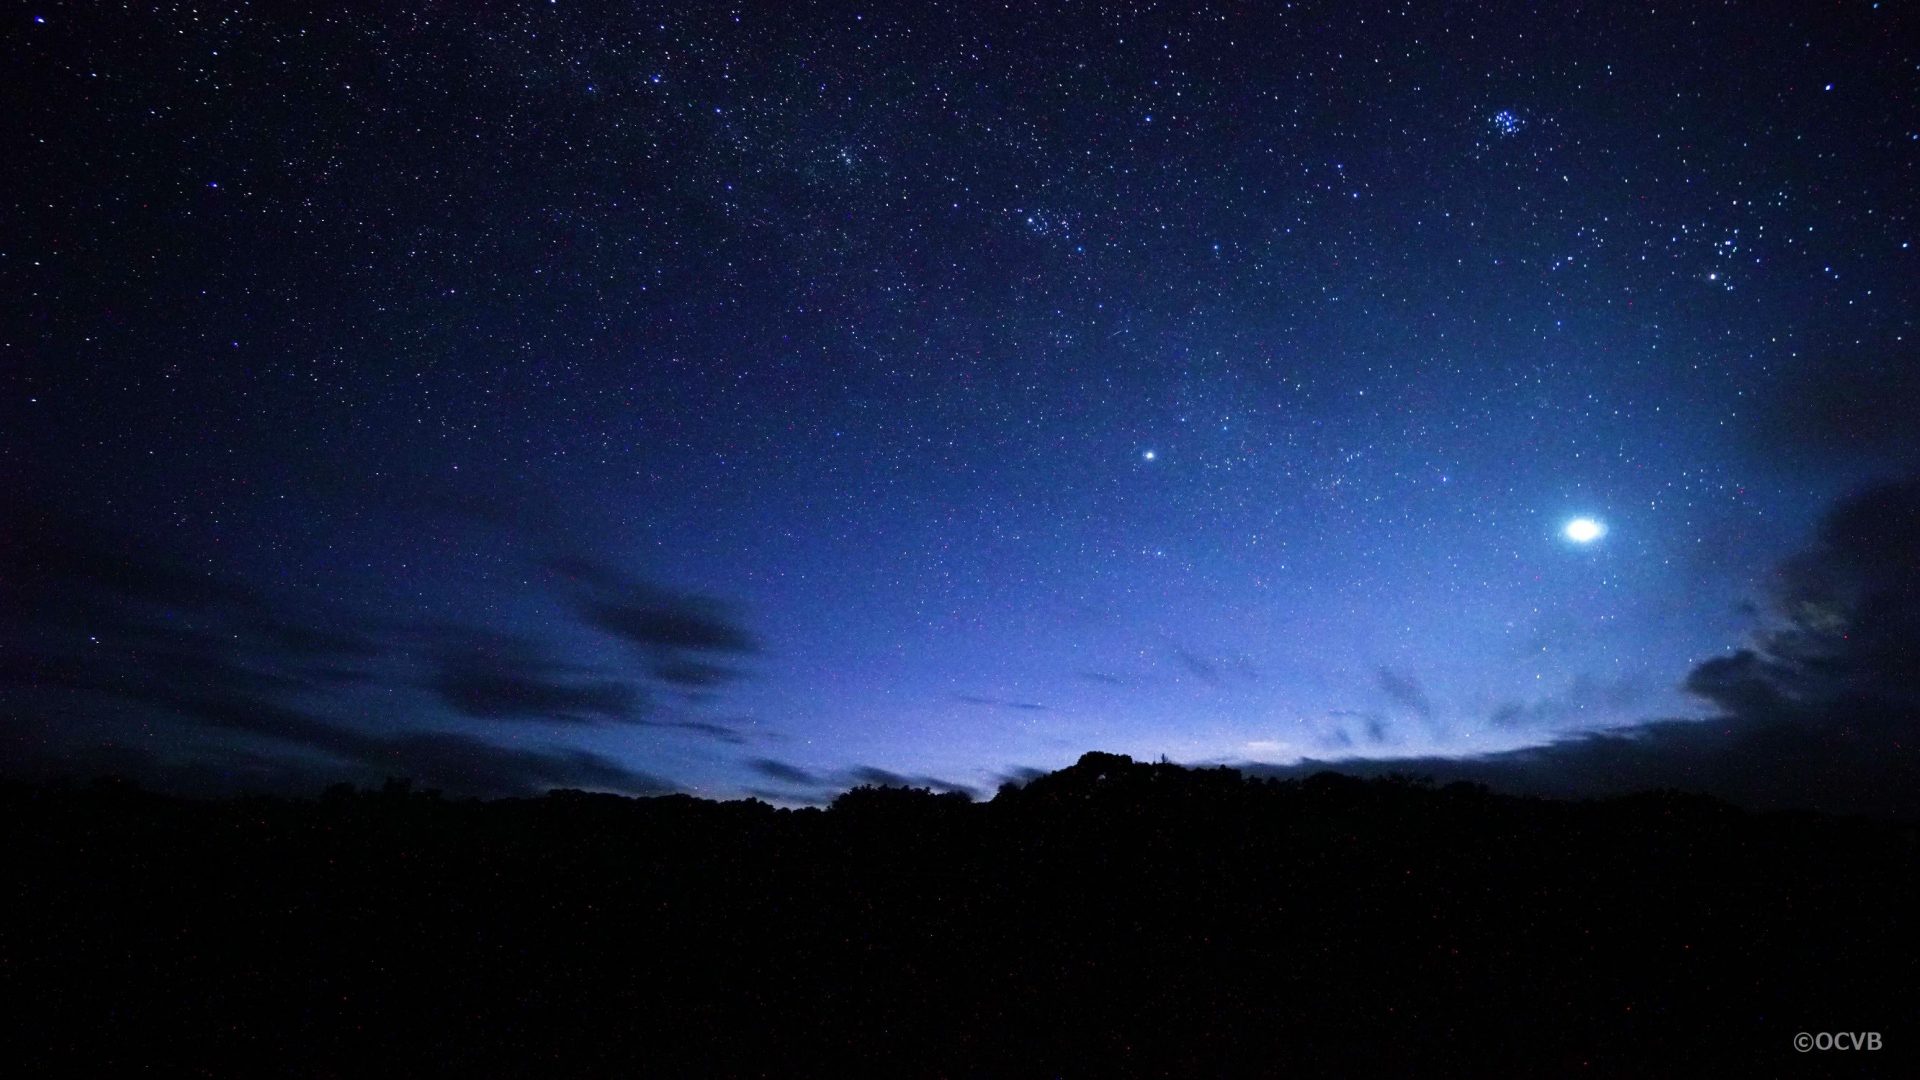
1740,684
1856,406
584,571
237,771
650,617
1200,668
783,772
1850,767
773,795
462,762
663,622
515,509
1842,648
117,641
312,641
490,675
503,685
718,732
820,786
1371,726
59,568
1021,776
337,676
1215,671
309,746
450,760
867,774
999,703
690,674
1822,711
682,636
1586,703
125,608
1405,691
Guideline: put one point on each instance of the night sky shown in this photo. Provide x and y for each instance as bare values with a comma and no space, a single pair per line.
764,399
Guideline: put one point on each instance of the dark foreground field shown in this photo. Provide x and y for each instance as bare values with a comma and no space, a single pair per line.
1111,919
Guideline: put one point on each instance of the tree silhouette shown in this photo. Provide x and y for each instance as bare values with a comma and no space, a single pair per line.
1113,918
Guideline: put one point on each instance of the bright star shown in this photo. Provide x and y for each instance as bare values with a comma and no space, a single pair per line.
1584,530
1148,455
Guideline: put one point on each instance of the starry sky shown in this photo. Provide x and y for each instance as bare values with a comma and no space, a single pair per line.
760,399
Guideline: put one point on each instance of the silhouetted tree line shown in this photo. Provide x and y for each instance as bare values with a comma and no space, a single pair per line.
1113,918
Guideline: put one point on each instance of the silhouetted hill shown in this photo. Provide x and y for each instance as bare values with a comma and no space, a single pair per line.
1112,918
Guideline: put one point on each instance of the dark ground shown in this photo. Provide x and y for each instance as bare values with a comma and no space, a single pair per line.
1115,918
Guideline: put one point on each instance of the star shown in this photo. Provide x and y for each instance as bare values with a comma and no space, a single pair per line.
1148,455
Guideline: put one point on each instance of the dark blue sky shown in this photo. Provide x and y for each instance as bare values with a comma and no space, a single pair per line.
736,398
